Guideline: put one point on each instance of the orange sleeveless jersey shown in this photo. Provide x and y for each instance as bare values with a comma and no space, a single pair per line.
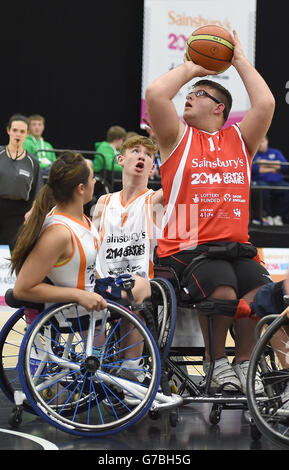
206,186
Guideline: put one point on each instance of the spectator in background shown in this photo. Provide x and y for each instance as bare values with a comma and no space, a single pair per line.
20,180
109,148
275,201
36,145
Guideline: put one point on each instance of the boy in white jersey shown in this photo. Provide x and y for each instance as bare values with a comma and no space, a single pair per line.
128,221
200,137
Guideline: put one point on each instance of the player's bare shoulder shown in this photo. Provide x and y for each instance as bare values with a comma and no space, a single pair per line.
158,206
98,210
158,197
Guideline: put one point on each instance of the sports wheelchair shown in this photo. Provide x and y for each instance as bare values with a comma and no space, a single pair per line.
269,411
194,386
270,360
66,366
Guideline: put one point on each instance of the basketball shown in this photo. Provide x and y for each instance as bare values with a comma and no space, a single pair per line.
211,47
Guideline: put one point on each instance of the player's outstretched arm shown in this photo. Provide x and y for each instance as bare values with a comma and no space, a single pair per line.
161,110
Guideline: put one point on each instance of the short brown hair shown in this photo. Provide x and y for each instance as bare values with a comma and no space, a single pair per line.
139,140
36,117
222,93
115,132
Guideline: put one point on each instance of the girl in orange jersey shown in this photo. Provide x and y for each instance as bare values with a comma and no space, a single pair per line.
205,173
61,244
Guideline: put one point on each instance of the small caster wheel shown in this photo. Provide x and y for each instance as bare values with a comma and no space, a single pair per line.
215,414
174,417
16,417
154,414
48,393
173,386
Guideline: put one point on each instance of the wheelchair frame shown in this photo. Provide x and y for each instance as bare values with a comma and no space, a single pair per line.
271,411
28,398
81,380
165,362
198,394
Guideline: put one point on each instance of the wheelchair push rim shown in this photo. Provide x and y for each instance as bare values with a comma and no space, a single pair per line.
166,315
98,402
11,337
267,410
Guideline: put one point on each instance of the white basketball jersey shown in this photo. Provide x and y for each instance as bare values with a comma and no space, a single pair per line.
79,270
128,235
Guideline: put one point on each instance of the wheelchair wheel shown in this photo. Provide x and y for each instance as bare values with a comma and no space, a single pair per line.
71,369
11,337
270,411
165,308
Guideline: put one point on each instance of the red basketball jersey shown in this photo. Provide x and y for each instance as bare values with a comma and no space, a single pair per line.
206,185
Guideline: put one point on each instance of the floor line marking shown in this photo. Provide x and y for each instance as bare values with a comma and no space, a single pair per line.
47,445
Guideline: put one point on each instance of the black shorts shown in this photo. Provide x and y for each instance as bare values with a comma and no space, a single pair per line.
242,274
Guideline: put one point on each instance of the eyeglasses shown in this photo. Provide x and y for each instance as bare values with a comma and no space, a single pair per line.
205,93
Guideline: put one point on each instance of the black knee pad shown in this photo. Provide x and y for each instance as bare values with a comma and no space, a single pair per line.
145,308
231,308
147,311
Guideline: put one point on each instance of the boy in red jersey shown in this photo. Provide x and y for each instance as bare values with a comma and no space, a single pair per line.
205,175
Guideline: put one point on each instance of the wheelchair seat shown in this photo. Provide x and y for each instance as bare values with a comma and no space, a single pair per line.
11,301
167,272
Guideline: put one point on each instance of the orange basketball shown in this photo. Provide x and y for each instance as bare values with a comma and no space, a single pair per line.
211,47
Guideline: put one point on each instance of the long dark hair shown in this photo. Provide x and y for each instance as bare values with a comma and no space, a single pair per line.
66,173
